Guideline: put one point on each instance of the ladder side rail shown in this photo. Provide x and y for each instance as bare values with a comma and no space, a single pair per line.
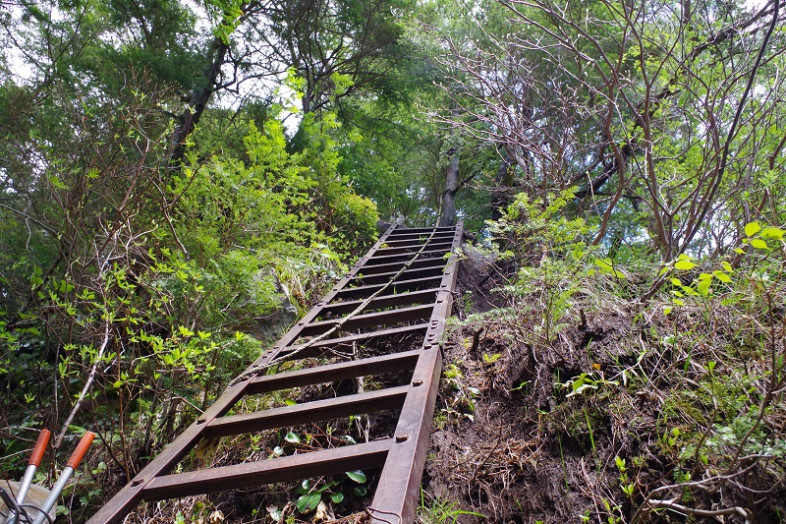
399,484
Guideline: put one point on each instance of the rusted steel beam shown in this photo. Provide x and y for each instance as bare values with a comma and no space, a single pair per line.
371,320
399,485
333,372
352,339
253,474
402,299
409,274
421,230
399,287
358,404
386,259
416,242
395,266
395,241
406,237
386,251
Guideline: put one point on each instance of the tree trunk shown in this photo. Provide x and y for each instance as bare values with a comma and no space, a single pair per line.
501,193
448,215
197,100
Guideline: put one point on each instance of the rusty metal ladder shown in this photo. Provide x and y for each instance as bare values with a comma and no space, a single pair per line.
406,281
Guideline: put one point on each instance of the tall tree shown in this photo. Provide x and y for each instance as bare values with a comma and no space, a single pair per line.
640,106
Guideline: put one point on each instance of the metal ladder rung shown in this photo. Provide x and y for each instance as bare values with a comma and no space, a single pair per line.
283,469
401,299
416,242
428,254
412,250
358,404
333,372
408,274
402,286
394,266
381,318
316,349
421,230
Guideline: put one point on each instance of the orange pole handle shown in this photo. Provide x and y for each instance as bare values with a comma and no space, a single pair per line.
40,448
81,449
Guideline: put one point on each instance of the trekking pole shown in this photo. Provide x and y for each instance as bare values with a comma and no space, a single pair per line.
35,460
73,462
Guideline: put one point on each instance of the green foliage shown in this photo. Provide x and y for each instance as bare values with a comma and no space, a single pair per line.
437,511
627,487
586,382
346,217
311,494
550,252
162,281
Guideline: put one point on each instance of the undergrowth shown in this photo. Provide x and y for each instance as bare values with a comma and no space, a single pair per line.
577,401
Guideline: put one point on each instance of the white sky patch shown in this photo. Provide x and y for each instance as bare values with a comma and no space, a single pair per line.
22,71
754,4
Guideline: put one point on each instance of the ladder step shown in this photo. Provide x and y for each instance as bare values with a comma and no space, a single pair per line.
370,320
401,299
397,287
417,242
358,404
419,236
254,474
421,230
413,249
408,274
395,266
318,349
333,372
428,254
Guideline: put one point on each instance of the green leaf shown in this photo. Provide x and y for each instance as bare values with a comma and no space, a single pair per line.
723,277
292,438
337,498
759,243
772,233
309,502
727,267
684,265
704,283
358,476
752,228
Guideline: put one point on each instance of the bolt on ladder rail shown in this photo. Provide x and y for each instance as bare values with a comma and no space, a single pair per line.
395,300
